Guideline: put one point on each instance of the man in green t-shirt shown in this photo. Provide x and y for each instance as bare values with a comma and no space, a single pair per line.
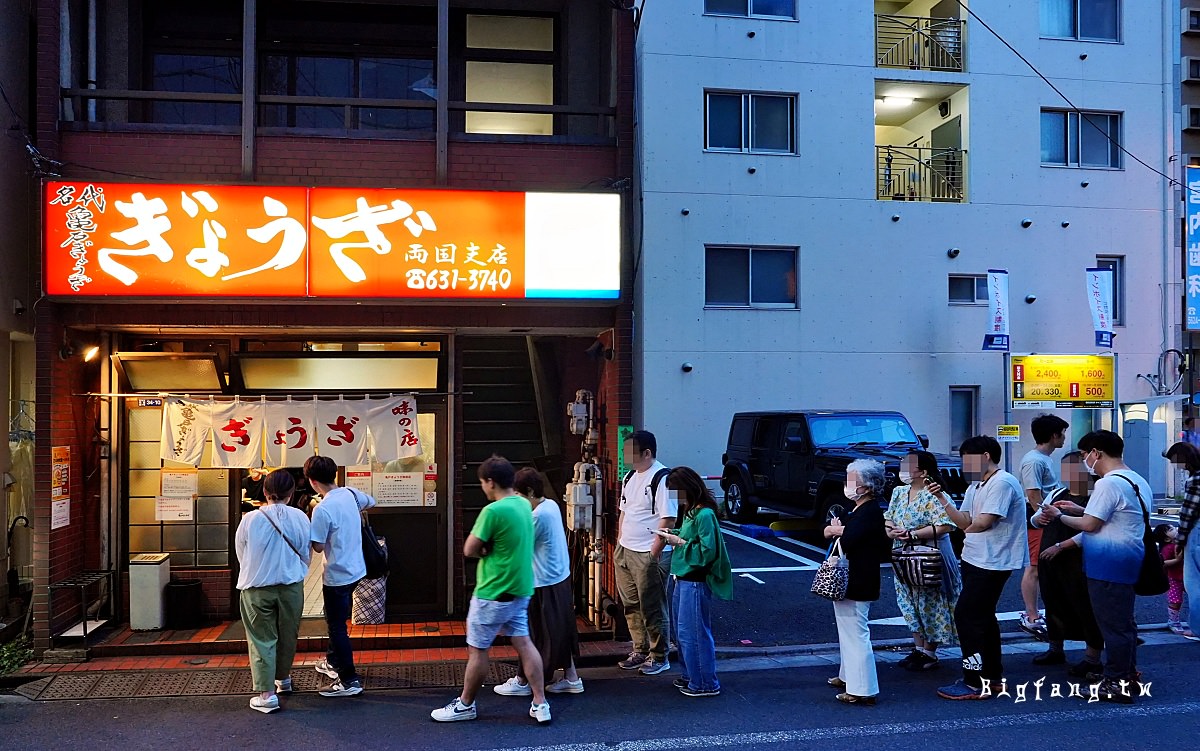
502,540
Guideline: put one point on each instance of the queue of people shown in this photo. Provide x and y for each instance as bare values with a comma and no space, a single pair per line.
1083,540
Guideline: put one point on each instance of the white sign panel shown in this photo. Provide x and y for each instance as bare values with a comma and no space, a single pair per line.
178,484
168,509
60,514
399,489
359,478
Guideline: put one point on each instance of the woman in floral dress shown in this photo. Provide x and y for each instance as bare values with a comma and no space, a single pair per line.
915,513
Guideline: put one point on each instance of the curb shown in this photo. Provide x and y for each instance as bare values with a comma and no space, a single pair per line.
783,650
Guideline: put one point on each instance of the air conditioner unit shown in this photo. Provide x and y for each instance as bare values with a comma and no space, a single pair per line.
1191,117
1189,70
1190,23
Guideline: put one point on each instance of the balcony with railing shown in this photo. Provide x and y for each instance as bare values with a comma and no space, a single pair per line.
911,173
920,142
919,43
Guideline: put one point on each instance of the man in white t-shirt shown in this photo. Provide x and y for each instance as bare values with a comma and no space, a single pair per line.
993,516
337,532
1113,525
638,557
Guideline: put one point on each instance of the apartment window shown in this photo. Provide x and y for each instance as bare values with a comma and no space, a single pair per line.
968,289
1092,20
1081,139
751,8
742,277
752,123
1117,265
510,60
964,414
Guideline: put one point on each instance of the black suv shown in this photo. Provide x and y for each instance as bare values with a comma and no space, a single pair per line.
796,461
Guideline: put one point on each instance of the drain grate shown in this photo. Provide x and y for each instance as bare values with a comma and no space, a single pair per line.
143,684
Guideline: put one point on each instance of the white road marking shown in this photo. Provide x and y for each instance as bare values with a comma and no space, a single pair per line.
753,578
899,621
771,569
1089,713
785,553
819,551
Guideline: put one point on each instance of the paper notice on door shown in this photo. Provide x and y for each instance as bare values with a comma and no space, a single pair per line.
172,509
399,488
430,499
358,477
180,483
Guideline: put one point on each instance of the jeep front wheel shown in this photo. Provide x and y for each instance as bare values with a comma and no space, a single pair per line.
737,507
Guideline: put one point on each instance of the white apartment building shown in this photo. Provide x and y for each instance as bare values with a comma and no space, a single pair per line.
825,185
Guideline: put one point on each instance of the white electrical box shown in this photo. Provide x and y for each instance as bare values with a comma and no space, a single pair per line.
149,574
580,506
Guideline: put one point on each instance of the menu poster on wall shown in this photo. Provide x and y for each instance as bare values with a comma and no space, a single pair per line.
180,483
60,478
172,509
60,513
358,477
399,489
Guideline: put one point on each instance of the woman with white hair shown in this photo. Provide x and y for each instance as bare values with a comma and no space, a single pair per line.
865,545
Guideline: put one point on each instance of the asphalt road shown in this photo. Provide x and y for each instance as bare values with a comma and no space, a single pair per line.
772,603
786,707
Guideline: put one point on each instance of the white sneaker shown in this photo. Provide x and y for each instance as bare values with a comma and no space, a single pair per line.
455,711
284,686
266,706
324,669
540,712
563,686
353,688
513,687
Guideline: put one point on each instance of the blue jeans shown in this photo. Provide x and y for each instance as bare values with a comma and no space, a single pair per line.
691,603
337,611
1191,578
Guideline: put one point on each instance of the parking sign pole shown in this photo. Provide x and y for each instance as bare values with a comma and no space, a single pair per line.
1006,380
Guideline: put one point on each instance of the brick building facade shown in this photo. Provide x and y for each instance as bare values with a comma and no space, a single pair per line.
577,140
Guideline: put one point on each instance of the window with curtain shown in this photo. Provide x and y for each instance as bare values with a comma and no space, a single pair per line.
1093,20
754,123
1081,139
742,277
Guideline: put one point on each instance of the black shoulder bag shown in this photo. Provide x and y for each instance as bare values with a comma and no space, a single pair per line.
375,553
1152,578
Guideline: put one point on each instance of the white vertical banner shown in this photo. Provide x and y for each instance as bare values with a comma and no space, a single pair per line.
394,428
1099,294
291,433
342,431
185,428
237,429
996,338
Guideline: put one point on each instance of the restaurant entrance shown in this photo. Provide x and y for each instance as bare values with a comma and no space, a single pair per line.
186,493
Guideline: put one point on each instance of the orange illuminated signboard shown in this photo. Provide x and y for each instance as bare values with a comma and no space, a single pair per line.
202,241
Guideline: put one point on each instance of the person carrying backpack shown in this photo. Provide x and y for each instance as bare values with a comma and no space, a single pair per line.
641,581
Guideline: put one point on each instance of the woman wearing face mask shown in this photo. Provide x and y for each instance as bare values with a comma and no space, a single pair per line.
915,514
866,545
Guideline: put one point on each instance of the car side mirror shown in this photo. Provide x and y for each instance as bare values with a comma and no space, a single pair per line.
924,439
795,443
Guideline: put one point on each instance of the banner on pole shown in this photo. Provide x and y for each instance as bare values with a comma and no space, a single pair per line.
1099,293
996,338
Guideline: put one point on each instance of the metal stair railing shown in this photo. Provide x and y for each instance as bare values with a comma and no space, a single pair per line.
909,173
918,43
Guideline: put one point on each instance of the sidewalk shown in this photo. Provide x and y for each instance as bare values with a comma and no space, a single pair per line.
213,675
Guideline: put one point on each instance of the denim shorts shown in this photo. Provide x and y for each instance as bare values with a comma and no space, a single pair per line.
488,619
